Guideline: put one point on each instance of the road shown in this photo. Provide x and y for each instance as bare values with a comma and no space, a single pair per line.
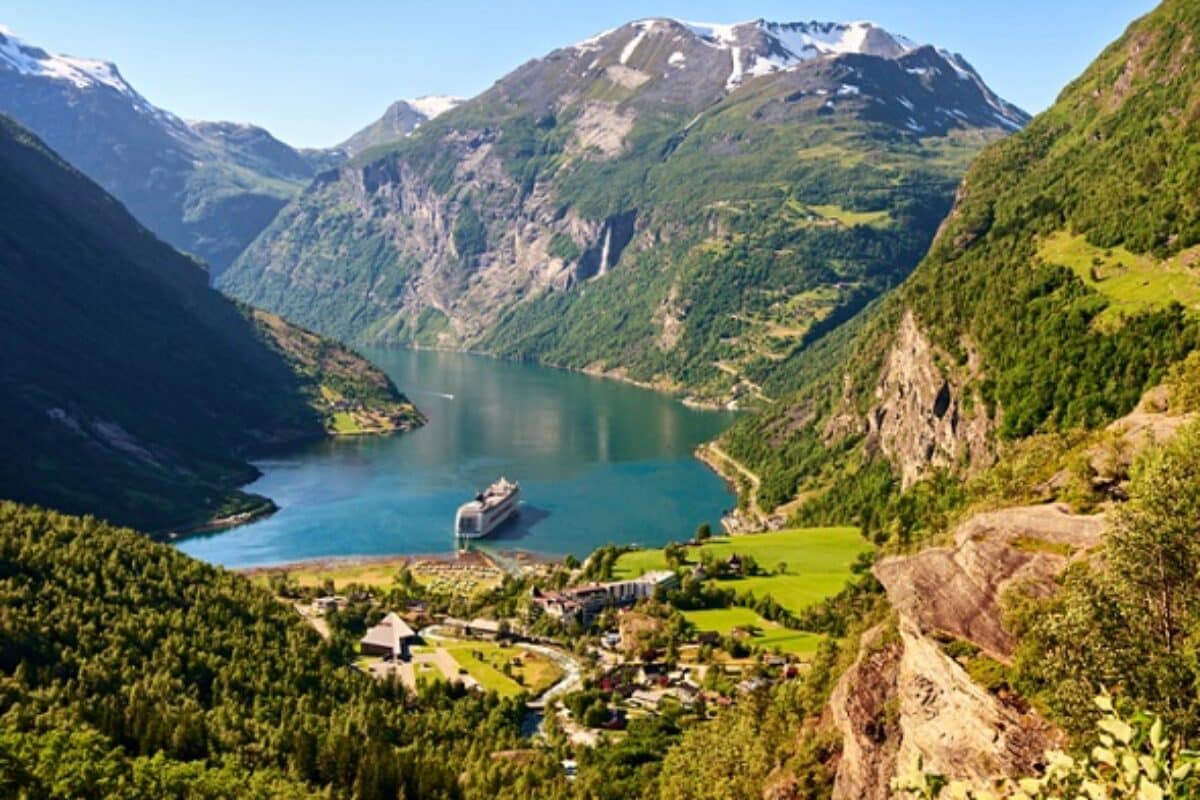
752,501
570,681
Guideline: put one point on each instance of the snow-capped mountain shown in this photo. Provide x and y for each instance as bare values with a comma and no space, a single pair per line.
643,201
741,52
399,120
83,73
207,188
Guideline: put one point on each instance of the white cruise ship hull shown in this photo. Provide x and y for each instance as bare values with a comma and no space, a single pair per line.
478,519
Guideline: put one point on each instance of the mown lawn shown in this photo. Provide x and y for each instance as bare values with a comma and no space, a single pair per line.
345,424
817,562
770,635
485,662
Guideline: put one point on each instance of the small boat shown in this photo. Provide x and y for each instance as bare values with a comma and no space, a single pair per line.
490,509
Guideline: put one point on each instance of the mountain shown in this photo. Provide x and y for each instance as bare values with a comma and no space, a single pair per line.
207,188
1062,287
401,118
681,204
128,387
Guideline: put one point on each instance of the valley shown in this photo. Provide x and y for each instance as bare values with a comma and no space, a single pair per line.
609,209
855,411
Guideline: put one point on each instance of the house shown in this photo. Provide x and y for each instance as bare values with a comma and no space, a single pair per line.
328,604
391,637
647,698
687,694
652,674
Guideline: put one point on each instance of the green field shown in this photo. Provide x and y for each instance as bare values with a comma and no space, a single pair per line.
818,562
537,672
851,218
770,635
1132,283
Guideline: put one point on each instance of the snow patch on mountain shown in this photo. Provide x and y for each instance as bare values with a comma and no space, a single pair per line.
642,29
82,72
717,34
434,105
17,55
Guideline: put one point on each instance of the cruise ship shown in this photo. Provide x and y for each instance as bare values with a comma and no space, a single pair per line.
488,511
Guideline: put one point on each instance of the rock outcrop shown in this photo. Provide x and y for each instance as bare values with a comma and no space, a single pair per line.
920,420
955,727
859,707
906,698
956,590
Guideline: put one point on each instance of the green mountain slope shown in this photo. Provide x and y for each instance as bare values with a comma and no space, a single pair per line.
1063,285
679,206
130,670
128,388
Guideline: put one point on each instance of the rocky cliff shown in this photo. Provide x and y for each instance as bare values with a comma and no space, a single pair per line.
910,696
921,419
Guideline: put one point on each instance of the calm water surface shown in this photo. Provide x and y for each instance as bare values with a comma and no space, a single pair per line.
598,462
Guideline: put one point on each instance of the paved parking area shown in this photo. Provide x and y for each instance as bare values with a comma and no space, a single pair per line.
437,662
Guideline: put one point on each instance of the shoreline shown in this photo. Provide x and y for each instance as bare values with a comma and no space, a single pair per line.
269,507
332,563
676,393
737,520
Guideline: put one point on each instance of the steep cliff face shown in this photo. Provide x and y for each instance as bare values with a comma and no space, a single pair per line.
617,204
437,269
862,708
920,420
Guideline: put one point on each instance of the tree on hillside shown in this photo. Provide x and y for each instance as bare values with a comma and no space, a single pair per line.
1154,547
675,554
1130,620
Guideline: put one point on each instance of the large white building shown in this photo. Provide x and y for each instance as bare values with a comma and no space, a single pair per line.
584,602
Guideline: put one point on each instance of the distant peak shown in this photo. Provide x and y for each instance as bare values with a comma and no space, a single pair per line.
433,105
27,59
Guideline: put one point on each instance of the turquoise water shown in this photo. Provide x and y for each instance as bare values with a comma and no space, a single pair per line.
598,461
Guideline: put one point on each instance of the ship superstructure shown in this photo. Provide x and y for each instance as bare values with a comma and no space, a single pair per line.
489,510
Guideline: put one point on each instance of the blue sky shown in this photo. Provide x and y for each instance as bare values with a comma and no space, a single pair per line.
314,72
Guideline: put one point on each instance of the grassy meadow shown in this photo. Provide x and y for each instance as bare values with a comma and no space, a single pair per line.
817,562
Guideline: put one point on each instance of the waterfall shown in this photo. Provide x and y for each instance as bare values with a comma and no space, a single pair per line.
607,246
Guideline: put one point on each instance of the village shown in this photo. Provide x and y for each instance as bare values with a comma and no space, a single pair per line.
589,647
